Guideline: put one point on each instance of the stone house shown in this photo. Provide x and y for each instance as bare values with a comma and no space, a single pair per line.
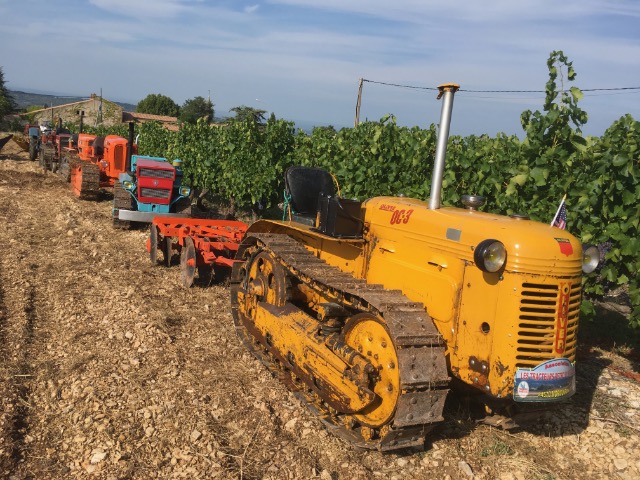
95,111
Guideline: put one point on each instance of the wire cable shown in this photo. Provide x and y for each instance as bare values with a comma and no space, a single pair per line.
614,89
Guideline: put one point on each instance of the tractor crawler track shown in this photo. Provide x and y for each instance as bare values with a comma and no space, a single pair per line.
122,200
88,186
420,349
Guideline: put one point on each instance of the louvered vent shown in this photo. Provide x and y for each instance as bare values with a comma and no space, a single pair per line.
155,193
541,334
150,172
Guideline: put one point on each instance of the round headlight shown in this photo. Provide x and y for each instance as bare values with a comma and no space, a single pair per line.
185,191
490,256
127,185
590,258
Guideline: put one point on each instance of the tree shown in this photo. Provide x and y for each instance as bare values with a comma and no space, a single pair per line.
244,113
195,108
7,104
158,104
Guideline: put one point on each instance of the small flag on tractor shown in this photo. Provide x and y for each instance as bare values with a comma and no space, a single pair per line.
560,219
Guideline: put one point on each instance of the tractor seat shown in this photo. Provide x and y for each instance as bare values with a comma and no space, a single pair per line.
304,185
98,146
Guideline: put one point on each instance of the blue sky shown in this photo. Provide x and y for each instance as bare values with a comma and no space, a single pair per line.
302,59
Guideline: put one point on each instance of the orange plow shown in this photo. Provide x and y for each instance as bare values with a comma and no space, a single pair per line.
204,245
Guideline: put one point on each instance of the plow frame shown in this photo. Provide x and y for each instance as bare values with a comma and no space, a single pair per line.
215,242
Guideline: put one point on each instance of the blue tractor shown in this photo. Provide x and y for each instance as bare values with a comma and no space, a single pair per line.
150,186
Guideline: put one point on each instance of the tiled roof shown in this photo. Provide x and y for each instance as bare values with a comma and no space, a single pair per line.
170,123
147,117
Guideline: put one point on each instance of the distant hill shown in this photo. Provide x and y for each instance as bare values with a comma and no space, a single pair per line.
25,99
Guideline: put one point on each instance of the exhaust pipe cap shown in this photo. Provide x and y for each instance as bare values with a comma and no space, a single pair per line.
473,202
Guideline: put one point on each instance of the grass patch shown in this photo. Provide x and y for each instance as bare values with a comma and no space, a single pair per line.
497,448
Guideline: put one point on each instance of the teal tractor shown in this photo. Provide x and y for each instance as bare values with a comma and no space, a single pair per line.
150,186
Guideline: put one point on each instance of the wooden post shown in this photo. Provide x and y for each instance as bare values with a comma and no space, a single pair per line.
358,103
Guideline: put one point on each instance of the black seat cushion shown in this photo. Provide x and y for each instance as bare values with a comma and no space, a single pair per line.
305,184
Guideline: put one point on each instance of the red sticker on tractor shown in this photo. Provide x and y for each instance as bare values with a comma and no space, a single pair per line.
565,246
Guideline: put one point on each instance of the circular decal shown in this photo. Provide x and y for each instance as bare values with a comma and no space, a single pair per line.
523,389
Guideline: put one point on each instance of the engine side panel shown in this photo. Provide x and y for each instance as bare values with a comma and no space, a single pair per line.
493,323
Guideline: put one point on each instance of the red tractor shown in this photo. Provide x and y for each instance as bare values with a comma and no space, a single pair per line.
98,162
54,149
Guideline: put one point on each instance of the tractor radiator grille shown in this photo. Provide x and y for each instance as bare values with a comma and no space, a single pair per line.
548,322
150,172
155,193
119,157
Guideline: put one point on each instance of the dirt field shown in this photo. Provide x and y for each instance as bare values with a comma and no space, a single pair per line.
110,369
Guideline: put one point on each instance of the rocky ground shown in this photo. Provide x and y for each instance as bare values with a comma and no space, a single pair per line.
110,369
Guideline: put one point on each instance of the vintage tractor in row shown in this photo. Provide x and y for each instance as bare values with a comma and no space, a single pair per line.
369,310
29,140
46,143
55,147
97,163
142,186
149,186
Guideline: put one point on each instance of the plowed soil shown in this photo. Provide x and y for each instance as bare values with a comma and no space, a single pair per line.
110,369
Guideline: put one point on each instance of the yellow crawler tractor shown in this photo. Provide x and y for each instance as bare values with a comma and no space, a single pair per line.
367,310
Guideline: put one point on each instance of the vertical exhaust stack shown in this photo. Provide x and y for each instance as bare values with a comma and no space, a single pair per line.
127,167
447,90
